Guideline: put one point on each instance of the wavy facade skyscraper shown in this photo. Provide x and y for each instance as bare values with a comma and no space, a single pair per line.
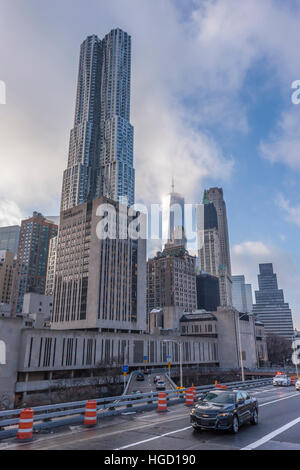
100,161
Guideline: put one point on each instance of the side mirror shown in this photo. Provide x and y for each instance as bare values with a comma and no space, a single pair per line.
201,396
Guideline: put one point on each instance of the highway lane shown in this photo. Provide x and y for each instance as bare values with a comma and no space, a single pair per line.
172,431
143,386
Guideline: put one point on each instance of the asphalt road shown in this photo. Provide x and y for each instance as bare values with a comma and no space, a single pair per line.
147,385
278,429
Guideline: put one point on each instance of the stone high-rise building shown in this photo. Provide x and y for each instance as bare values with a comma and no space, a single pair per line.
100,283
51,266
209,246
215,196
171,280
100,161
7,269
212,235
270,307
32,259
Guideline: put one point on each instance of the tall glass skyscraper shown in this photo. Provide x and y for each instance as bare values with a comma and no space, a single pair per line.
32,258
9,238
270,307
213,241
100,161
173,218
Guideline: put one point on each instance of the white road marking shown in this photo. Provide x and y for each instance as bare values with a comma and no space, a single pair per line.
280,399
154,438
261,391
270,436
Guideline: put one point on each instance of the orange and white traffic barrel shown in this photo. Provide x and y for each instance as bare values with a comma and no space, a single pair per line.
293,380
218,386
25,428
90,418
189,397
193,389
162,402
223,387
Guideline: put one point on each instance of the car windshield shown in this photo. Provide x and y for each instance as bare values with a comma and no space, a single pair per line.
217,397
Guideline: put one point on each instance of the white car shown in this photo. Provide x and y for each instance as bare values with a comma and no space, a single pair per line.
160,385
281,381
298,385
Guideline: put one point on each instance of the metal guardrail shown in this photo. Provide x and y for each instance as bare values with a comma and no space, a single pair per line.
65,414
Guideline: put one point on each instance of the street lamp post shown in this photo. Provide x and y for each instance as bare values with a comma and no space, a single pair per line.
240,345
180,357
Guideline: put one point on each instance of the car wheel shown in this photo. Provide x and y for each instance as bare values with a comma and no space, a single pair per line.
254,417
235,425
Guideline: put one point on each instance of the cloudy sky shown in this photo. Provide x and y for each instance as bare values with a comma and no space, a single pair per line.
211,104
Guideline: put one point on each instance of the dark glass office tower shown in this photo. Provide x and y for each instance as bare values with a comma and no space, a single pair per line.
208,292
100,161
270,307
9,238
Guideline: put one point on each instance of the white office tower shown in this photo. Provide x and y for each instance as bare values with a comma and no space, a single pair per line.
173,219
242,294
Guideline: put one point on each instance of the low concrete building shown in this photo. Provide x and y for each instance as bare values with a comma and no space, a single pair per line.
230,321
5,310
38,360
38,309
226,324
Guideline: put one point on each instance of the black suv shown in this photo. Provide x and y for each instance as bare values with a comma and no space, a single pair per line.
140,377
224,410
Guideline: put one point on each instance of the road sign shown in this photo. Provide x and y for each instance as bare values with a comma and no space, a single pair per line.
125,369
169,358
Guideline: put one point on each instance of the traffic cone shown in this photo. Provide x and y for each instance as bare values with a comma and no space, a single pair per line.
90,418
25,428
162,402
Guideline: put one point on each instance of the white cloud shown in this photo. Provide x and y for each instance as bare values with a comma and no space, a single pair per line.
253,248
292,212
246,258
283,146
186,74
10,213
